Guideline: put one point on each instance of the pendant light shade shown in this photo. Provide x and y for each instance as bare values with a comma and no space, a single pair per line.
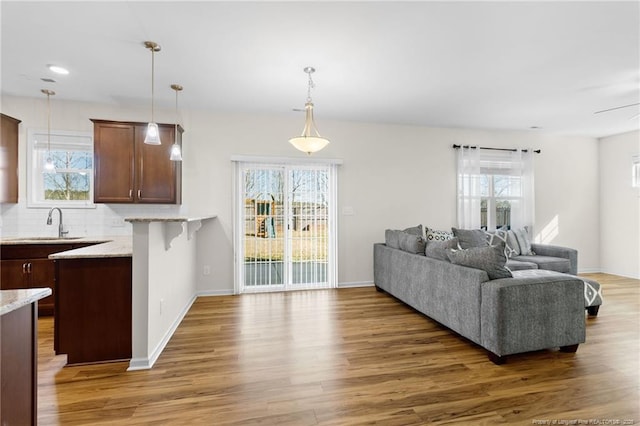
176,149
49,167
310,140
153,134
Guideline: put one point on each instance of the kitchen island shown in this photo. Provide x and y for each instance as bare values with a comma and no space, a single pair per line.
19,355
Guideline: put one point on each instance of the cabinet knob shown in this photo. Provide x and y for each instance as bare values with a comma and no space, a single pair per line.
139,193
24,268
130,193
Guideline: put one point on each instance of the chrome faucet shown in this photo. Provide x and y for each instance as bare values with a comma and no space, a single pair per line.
61,231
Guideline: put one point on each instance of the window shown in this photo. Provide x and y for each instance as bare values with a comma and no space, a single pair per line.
495,189
500,191
72,183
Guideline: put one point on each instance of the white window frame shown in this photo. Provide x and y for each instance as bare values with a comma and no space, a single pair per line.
37,142
635,171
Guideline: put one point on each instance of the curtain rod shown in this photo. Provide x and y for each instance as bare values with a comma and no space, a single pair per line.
537,151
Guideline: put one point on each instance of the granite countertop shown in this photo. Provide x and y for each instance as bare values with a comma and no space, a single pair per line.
114,247
11,300
168,218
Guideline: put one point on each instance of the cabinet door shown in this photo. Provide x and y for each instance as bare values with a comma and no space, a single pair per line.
42,274
14,274
113,162
155,172
9,159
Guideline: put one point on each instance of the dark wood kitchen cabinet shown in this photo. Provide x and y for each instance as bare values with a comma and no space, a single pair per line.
126,170
8,159
29,266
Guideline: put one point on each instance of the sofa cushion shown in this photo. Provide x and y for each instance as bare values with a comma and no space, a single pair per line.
435,235
558,264
468,238
411,243
490,259
439,249
518,265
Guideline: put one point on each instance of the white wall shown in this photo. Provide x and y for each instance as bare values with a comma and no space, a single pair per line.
619,206
393,176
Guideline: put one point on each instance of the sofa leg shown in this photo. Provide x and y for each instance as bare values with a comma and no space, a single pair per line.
569,349
593,310
497,359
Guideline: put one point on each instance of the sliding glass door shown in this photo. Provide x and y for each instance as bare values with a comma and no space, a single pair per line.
285,233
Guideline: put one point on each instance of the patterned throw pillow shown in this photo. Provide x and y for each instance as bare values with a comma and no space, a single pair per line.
522,235
502,236
434,235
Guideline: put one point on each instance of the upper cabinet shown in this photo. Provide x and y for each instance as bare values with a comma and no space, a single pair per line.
9,159
127,170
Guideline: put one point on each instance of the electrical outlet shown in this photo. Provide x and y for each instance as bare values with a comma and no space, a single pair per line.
206,270
117,222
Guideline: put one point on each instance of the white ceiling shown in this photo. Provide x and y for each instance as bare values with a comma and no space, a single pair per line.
491,65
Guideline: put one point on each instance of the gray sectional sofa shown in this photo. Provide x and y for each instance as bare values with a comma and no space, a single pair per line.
505,316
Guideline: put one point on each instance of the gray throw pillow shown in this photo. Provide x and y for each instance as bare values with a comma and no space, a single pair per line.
411,243
469,238
522,235
392,238
502,236
434,235
512,242
490,259
415,230
439,249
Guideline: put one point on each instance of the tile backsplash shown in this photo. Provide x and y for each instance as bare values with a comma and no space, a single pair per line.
104,220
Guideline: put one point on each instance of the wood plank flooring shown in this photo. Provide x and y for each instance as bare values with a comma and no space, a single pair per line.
349,356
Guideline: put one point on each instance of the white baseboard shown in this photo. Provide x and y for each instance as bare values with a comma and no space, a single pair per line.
589,271
147,363
356,284
214,293
624,275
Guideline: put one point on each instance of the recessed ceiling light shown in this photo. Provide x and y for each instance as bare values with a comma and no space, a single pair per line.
58,69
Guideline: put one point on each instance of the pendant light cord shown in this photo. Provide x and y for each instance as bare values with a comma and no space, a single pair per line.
152,79
311,85
49,124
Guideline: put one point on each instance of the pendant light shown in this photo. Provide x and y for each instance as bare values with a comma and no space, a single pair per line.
176,150
310,141
49,167
153,133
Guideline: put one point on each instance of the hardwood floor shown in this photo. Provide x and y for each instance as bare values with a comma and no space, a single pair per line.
349,356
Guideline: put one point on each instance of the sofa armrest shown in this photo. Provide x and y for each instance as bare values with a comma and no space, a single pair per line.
557,251
528,314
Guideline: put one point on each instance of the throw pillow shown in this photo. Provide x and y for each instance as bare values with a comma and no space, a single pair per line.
392,238
522,235
415,230
490,259
469,238
512,241
433,235
501,235
439,249
411,243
